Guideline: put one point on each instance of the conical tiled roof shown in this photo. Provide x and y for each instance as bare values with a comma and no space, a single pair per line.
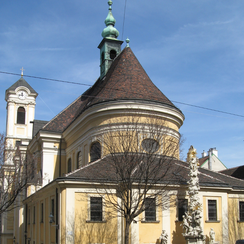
21,82
125,80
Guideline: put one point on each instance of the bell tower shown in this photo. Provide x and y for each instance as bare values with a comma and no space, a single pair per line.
110,46
21,101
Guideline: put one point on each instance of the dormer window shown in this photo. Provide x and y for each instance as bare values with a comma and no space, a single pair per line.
113,54
21,115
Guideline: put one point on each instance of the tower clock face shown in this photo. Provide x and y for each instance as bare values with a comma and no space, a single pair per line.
22,95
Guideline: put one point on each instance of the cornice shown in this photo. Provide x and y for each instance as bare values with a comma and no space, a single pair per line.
128,108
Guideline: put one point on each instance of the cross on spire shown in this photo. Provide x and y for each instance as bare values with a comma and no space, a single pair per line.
22,71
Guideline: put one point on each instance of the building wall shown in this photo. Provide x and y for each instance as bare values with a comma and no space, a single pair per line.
235,226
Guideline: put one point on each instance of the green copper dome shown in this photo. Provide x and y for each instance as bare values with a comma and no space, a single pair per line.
110,30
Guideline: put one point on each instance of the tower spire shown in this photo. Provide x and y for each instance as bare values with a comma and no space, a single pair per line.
110,30
110,46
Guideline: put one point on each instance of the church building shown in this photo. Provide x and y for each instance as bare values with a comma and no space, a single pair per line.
122,129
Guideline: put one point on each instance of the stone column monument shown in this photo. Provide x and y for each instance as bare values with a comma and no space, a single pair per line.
192,219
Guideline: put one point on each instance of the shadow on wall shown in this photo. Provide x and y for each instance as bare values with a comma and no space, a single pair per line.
83,232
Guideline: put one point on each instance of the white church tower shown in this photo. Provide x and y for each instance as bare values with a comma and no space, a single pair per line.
21,102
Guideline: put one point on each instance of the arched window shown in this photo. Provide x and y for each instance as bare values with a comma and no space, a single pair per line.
79,160
113,54
69,165
95,152
21,115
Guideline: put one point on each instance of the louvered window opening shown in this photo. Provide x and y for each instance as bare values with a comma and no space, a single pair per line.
21,115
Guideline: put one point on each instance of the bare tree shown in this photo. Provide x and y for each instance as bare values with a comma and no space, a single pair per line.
234,226
16,170
138,167
79,232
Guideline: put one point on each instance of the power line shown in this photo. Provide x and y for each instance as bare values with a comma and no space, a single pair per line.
211,109
84,84
43,78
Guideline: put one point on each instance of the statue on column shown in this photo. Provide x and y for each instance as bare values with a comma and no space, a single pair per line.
192,219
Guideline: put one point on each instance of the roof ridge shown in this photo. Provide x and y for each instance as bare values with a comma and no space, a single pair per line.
209,176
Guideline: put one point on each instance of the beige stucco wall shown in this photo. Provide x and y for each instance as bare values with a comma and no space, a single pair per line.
235,227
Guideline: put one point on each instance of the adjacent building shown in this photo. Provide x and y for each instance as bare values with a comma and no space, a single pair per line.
211,160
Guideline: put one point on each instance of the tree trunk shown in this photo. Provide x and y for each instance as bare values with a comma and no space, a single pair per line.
127,232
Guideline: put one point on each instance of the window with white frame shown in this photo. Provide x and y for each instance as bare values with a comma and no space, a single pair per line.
96,209
241,211
212,210
150,209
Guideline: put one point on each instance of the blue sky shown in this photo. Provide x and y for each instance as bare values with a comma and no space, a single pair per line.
193,50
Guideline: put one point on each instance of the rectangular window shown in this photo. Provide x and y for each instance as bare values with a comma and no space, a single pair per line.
52,208
182,208
212,210
241,211
34,215
28,216
150,209
69,165
41,213
96,209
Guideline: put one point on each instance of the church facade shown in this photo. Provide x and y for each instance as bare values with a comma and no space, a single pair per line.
122,129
